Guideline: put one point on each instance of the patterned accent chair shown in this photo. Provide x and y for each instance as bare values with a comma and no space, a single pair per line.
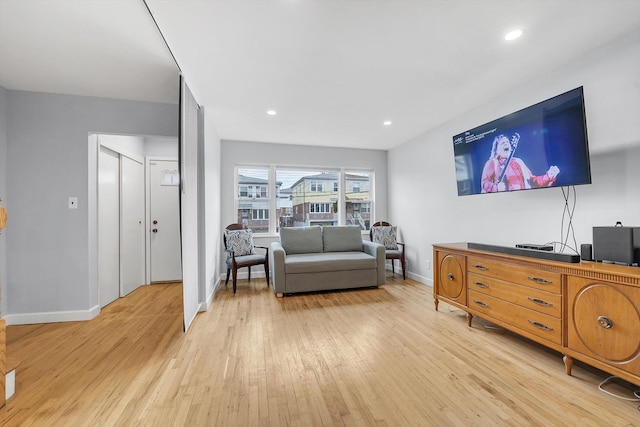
238,243
387,235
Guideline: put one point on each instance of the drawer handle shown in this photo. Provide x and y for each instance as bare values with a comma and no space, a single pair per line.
539,280
481,285
480,267
480,303
540,302
450,276
605,322
540,325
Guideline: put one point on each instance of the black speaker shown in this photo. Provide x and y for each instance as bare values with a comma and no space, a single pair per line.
616,244
586,252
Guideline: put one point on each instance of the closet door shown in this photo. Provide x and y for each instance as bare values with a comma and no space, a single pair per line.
108,226
132,229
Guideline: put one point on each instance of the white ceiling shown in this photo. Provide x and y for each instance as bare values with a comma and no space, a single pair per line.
334,70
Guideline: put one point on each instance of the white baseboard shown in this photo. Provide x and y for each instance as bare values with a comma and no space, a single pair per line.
422,279
10,384
210,294
51,317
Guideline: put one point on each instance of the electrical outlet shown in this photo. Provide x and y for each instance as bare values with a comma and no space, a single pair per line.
428,264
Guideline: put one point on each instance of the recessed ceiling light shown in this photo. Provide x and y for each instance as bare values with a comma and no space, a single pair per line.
272,112
387,123
512,35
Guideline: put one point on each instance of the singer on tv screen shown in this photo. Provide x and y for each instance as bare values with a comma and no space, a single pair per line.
506,172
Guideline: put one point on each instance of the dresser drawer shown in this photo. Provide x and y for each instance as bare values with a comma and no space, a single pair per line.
544,280
524,296
534,322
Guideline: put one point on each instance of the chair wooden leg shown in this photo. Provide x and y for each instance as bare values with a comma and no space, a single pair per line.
266,272
249,272
228,271
393,266
404,268
235,278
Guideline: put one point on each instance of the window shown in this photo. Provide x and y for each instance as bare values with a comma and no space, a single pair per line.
357,201
253,201
271,197
316,186
320,207
305,197
260,214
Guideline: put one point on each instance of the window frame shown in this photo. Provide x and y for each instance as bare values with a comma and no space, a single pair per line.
273,191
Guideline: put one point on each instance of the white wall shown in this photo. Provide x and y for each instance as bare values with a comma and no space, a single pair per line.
212,203
47,152
611,79
257,153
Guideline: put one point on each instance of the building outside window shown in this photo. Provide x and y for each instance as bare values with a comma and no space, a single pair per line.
357,199
253,201
302,197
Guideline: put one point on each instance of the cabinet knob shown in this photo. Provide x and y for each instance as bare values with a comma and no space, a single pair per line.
605,322
450,276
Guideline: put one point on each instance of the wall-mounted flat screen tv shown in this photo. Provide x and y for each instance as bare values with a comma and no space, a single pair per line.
541,146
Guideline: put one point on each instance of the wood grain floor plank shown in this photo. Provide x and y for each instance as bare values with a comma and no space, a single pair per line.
367,357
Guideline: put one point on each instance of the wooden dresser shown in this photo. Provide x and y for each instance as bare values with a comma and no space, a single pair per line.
588,311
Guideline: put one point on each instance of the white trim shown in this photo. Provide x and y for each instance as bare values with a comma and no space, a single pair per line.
204,306
10,384
422,279
52,316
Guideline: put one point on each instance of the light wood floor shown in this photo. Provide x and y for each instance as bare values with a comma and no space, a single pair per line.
379,357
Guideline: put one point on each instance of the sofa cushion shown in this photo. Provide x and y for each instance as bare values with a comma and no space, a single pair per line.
345,238
329,261
386,236
301,240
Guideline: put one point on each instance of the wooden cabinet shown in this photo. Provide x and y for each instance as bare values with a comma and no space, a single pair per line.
588,311
451,286
603,321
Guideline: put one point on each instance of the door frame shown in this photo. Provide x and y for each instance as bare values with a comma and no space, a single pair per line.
147,179
93,153
103,141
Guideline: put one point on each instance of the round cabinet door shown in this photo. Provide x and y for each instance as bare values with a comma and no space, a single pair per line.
452,278
605,321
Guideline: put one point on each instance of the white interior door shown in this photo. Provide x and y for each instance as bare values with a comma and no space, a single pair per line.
132,237
108,226
164,206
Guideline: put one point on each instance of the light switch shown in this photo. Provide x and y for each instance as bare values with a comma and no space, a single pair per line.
73,203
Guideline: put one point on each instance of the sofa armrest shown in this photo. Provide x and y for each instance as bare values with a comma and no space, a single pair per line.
377,250
277,255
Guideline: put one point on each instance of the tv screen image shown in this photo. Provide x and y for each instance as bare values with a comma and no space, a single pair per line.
544,145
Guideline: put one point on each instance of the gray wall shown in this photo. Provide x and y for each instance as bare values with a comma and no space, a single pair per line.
237,152
611,79
3,196
47,152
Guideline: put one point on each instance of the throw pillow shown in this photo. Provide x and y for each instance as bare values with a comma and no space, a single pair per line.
240,242
386,236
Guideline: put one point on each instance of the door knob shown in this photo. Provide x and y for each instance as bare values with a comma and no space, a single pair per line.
155,221
155,230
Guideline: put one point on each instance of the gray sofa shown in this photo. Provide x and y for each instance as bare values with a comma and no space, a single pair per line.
324,258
